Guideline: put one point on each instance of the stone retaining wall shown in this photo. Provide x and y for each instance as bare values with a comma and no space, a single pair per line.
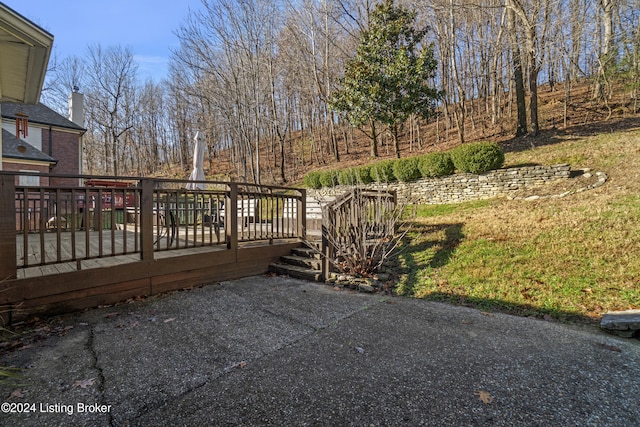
463,187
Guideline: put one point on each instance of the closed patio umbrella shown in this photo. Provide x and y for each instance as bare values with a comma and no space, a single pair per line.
197,174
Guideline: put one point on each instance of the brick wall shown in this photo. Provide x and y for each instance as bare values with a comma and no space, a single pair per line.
65,149
8,166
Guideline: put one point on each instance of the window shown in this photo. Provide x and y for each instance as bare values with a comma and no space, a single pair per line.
29,180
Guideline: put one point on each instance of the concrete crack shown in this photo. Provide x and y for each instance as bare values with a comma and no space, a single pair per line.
96,366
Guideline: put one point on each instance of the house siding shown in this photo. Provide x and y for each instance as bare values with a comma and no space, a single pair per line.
55,136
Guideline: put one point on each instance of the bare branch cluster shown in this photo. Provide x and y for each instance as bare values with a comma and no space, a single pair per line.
361,231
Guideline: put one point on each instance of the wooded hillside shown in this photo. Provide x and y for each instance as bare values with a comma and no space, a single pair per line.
257,76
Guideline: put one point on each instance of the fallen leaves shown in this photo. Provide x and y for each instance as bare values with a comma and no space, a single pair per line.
26,340
610,347
484,396
17,394
83,383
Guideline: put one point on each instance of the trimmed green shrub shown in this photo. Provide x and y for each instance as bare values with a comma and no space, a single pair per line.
478,157
382,172
347,177
329,178
364,174
433,165
406,170
312,180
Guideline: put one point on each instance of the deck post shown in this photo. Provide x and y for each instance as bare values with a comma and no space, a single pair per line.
302,214
8,265
325,246
231,220
146,219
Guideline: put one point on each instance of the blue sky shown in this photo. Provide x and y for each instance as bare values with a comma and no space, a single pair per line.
147,27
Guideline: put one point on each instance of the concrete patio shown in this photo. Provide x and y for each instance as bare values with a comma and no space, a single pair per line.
277,351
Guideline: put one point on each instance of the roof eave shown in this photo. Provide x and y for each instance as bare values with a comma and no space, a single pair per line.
22,80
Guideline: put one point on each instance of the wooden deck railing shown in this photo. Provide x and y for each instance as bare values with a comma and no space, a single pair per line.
110,216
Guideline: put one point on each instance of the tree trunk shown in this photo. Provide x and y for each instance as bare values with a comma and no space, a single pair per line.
605,58
394,135
374,140
517,74
533,101
459,108
534,69
334,140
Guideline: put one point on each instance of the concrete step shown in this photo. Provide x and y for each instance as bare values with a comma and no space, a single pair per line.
297,272
301,261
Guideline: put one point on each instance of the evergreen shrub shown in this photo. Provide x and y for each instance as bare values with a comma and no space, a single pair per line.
312,180
347,176
478,157
382,172
364,174
406,170
329,178
434,165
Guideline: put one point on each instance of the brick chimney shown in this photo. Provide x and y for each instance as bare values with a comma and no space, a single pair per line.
76,107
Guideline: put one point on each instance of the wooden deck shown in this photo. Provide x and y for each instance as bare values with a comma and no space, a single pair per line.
63,287
50,264
47,249
106,250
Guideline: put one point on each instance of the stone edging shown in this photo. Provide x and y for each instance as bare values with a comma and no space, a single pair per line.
623,323
602,179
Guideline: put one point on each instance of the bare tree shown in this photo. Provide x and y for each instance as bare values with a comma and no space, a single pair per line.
228,45
518,78
534,18
64,76
111,93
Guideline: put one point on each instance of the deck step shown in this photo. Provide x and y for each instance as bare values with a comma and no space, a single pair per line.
306,253
297,272
301,261
314,244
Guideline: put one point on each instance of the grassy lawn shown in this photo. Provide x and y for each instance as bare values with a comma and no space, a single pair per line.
571,258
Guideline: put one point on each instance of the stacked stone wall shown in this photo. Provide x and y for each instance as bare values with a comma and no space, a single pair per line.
465,187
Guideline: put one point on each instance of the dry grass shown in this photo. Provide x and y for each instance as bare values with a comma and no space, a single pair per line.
574,257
